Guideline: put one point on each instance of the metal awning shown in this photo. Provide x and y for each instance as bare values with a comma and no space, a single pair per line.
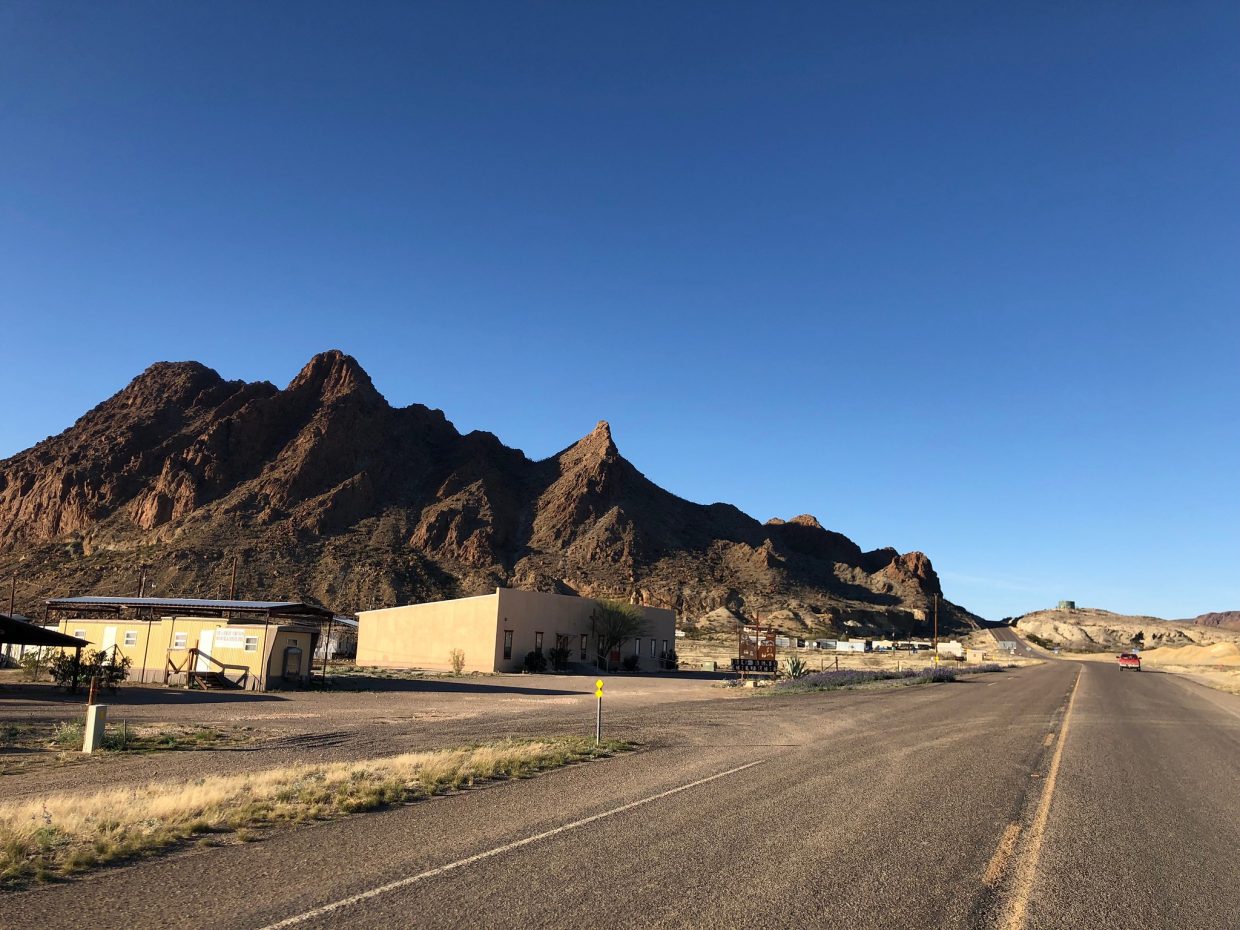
191,606
19,632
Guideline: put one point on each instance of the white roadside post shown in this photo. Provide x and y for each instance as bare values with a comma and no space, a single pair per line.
96,721
598,717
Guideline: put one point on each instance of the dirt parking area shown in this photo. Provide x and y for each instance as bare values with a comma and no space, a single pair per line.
359,717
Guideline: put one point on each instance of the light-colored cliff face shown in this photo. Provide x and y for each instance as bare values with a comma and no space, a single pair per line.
1090,630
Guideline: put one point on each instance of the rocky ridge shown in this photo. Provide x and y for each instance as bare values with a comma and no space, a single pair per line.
324,491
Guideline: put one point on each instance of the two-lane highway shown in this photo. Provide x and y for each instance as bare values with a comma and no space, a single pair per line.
1062,795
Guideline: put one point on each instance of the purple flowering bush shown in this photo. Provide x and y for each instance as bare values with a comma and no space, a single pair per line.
842,678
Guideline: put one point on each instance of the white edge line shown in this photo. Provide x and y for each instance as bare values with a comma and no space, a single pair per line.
517,844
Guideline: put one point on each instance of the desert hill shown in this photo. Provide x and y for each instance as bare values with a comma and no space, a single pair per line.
324,491
1092,630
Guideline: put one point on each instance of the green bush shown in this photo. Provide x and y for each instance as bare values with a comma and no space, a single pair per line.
71,671
535,661
559,658
630,663
670,660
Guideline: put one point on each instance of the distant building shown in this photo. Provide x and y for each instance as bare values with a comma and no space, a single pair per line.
1067,605
497,631
254,645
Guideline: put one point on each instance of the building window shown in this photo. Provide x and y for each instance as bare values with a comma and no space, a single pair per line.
585,639
652,641
637,646
80,634
507,644
251,644
665,647
131,637
538,642
179,640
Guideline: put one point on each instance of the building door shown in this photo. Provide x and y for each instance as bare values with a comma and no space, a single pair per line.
109,638
205,639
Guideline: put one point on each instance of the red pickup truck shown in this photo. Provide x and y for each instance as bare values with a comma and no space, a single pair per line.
1130,660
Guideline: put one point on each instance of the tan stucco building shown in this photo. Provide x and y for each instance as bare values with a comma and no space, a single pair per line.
497,631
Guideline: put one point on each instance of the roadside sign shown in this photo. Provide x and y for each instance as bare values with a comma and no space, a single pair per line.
760,666
598,688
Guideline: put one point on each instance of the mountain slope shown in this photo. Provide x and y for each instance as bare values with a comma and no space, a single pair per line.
325,491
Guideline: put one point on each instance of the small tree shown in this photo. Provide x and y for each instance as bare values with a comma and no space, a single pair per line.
561,652
615,623
457,658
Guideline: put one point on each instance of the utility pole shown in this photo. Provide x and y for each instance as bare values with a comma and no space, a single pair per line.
142,582
936,627
232,585
12,594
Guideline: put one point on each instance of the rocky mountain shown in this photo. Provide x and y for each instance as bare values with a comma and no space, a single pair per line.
1226,619
324,491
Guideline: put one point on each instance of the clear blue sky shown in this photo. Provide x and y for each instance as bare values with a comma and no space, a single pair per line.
955,277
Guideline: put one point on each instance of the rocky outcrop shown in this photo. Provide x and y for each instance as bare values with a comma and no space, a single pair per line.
325,491
1226,619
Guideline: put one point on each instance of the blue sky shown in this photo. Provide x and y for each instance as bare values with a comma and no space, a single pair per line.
954,277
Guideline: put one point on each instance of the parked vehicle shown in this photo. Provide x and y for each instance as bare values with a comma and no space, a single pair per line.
1130,660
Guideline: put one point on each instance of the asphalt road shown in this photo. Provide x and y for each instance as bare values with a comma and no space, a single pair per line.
1005,634
1061,795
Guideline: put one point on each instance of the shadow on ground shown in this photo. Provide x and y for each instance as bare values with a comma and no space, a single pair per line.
13,696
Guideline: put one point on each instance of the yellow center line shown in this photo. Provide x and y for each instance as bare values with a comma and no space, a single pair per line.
1026,865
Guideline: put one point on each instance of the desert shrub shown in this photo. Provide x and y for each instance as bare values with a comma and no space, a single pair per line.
631,663
988,667
671,661
457,658
795,667
68,734
842,678
559,657
535,661
69,670
940,673
32,665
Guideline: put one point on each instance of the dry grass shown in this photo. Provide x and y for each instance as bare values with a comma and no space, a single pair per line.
67,833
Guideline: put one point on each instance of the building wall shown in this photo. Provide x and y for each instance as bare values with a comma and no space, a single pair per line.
528,613
424,635
149,646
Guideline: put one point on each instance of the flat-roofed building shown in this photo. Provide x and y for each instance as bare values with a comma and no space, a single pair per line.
254,645
496,631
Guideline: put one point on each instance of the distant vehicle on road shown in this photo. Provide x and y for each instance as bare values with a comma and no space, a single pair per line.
1130,660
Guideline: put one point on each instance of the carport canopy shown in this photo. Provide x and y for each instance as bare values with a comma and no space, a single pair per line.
20,633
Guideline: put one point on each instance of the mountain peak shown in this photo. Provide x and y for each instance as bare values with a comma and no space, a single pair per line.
334,374
177,380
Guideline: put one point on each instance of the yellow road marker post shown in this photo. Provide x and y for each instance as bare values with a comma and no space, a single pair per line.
598,718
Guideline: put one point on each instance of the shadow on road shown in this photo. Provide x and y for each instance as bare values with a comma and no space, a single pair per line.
437,686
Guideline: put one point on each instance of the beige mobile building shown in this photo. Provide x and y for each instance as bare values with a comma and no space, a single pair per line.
254,645
497,631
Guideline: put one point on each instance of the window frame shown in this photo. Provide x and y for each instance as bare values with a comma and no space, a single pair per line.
585,646
538,640
507,644
127,641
